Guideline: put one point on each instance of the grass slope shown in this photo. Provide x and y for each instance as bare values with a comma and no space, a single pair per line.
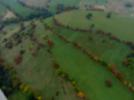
101,46
122,27
37,72
89,75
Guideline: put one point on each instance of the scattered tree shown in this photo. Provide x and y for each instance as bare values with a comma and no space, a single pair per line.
108,83
89,16
109,15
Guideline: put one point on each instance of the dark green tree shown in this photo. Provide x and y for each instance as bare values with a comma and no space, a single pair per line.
89,16
109,15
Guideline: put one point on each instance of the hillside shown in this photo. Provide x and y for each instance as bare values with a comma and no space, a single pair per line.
66,50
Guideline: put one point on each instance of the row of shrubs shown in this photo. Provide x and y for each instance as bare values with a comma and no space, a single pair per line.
128,43
79,93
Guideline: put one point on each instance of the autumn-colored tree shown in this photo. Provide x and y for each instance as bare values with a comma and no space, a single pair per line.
39,98
109,15
1,61
56,65
18,59
113,69
108,83
81,94
50,43
120,76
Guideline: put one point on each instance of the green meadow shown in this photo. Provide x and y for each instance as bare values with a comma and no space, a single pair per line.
120,26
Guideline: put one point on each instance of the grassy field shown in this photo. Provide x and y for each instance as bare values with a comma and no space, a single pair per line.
74,64
120,26
100,46
87,73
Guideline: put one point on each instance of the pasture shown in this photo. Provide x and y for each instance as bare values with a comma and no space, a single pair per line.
99,45
90,76
120,26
